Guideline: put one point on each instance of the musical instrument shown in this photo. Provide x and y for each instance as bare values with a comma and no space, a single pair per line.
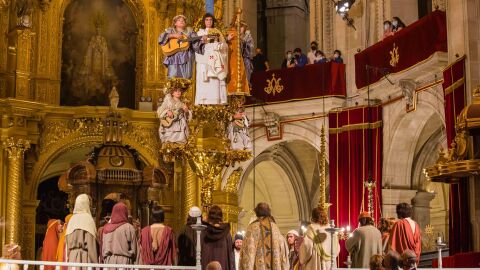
175,45
167,121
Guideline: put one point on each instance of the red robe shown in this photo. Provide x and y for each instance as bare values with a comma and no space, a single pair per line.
166,252
50,243
402,238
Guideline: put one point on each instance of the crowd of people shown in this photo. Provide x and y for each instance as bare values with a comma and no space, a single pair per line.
393,245
314,56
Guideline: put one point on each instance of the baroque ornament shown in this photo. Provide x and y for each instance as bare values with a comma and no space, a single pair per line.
274,85
394,56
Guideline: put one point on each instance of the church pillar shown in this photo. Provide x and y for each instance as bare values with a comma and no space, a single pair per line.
191,191
20,57
228,202
421,207
15,149
392,197
28,229
4,17
287,29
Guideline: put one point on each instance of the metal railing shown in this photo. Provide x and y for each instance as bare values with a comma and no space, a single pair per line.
26,265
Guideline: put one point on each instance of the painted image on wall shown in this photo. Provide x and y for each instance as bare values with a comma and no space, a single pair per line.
99,44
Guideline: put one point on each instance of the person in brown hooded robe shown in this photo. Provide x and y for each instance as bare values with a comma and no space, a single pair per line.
157,241
216,241
120,245
187,240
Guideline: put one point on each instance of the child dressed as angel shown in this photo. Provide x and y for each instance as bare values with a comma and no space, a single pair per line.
238,129
174,113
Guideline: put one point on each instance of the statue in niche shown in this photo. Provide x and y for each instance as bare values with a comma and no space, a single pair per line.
96,72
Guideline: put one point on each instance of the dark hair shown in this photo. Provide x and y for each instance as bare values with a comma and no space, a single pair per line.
338,51
215,215
387,22
314,43
158,215
404,210
400,23
263,210
319,53
384,225
319,216
364,221
297,50
376,262
208,15
391,260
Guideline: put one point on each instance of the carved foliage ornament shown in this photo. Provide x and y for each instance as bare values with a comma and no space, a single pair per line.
16,147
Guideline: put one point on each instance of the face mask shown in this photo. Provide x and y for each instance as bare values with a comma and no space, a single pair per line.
314,48
336,55
289,56
386,26
395,23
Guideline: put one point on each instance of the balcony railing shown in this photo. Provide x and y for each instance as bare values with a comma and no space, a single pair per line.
302,83
406,49
26,265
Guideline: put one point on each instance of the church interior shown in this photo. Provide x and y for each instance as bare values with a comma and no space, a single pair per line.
81,81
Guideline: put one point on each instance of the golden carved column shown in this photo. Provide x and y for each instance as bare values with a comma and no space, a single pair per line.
28,229
190,190
4,18
20,57
15,151
227,200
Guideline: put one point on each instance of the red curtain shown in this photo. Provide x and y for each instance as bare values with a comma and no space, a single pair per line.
412,45
459,216
311,81
351,142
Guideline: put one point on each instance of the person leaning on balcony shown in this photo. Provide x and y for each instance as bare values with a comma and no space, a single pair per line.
337,57
320,57
387,29
397,24
300,59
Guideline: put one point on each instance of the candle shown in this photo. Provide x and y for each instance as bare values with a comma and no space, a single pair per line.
439,240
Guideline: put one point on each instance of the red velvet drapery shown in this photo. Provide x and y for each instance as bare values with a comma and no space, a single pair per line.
311,81
349,149
408,47
459,216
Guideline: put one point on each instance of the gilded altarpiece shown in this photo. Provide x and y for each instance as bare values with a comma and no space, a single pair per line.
34,55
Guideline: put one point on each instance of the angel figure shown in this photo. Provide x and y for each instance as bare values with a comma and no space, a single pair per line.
238,129
174,113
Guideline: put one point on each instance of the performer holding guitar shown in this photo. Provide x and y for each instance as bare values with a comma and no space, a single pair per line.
179,45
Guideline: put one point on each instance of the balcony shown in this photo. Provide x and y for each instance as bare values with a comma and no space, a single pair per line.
409,49
297,84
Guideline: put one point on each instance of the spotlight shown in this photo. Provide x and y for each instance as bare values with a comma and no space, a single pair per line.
343,6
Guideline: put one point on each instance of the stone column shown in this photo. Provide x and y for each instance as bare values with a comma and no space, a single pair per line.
15,148
29,214
421,208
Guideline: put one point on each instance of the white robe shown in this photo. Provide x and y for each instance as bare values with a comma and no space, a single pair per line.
178,132
211,73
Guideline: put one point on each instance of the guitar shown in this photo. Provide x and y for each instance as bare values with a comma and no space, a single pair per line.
175,45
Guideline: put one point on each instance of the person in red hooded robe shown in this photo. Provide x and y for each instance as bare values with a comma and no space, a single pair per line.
50,242
405,233
120,245
157,241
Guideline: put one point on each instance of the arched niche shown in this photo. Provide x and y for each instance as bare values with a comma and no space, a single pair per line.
94,58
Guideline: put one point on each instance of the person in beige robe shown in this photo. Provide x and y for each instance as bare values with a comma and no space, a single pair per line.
264,247
120,243
316,249
365,242
81,235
